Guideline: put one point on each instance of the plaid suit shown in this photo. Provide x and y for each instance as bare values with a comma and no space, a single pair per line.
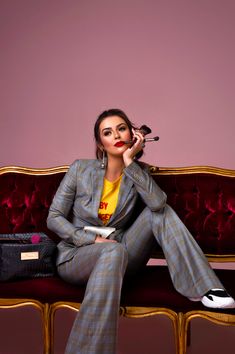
103,265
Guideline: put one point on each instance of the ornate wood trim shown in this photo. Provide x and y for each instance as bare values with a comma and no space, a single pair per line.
155,170
221,258
220,318
33,171
191,170
125,311
14,303
215,317
74,306
43,308
140,312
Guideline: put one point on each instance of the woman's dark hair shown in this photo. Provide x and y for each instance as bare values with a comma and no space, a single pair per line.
109,113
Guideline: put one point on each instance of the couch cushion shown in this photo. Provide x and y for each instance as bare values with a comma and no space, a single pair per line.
152,288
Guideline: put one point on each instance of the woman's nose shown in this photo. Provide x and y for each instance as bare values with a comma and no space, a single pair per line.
117,135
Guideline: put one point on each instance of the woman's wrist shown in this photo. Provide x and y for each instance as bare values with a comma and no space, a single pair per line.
127,161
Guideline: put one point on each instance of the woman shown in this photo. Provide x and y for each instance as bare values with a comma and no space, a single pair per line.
99,245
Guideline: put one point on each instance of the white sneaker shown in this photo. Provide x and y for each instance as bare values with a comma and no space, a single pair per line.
218,298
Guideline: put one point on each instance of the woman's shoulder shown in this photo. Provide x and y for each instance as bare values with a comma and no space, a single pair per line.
85,163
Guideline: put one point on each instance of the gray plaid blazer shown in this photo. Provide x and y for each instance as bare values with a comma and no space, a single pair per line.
77,199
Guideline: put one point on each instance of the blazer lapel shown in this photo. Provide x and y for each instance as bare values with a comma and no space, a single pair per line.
126,185
97,188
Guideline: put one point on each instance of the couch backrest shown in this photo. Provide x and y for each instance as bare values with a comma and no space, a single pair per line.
203,197
25,197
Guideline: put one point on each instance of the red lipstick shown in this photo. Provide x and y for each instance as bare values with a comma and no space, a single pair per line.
119,144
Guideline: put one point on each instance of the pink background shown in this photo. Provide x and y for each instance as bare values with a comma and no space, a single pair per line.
167,63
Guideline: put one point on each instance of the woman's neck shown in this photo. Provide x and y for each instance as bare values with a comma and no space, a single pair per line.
114,169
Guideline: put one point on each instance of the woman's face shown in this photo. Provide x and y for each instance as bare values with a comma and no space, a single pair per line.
113,132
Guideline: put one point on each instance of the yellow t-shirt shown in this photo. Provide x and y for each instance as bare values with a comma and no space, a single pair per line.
109,199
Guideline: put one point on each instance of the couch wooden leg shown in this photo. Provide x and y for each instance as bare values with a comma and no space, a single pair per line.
182,333
46,329
74,306
51,327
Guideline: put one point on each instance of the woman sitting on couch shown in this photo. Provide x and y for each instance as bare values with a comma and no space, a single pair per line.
99,245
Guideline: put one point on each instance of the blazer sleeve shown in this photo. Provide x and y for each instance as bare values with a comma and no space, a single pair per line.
62,203
152,195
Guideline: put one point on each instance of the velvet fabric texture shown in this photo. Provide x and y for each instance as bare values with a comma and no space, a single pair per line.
204,202
25,200
206,205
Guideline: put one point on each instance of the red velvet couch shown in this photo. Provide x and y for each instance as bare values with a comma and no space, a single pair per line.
203,197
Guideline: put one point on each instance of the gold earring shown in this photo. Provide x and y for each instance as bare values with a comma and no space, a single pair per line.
103,160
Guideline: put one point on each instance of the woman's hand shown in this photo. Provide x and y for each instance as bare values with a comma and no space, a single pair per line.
130,153
100,239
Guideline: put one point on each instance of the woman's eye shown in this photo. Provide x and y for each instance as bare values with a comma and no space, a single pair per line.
107,133
122,129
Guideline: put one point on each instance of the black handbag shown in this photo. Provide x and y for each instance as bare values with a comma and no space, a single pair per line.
26,255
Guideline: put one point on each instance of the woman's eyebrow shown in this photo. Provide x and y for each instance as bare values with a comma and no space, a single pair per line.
110,128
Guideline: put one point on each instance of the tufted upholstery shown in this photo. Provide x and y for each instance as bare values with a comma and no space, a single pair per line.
204,202
206,205
25,200
204,198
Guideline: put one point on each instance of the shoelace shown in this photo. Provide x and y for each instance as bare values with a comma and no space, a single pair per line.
219,293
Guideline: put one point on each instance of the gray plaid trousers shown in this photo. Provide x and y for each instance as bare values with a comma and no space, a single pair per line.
103,266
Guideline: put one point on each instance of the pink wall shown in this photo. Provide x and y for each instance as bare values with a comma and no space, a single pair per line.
167,63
